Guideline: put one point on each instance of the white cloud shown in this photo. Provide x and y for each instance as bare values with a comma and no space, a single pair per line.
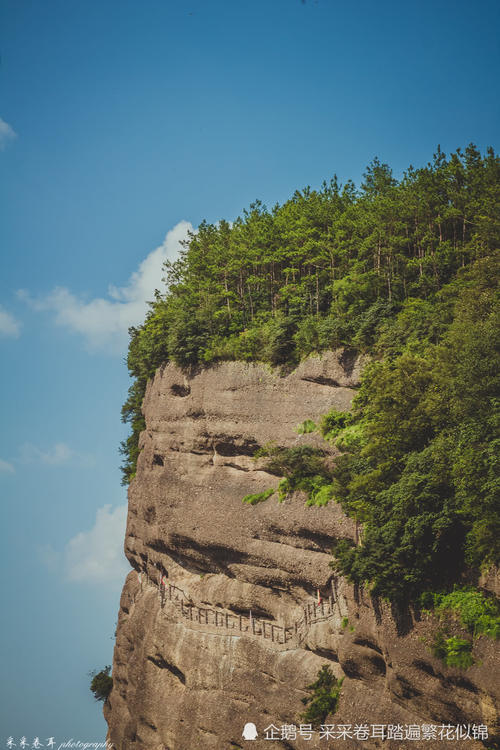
6,134
96,556
104,322
59,454
9,326
6,467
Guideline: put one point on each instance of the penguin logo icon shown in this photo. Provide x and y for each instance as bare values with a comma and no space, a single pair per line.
249,731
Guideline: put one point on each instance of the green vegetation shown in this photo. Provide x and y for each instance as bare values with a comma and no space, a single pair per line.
307,427
258,497
455,652
478,613
369,269
423,475
302,468
406,270
324,699
333,423
101,683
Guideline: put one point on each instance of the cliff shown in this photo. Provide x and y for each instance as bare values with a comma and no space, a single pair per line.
191,665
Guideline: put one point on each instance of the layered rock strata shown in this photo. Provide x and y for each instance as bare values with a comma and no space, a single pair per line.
221,627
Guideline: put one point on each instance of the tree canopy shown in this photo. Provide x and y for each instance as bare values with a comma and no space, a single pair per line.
406,270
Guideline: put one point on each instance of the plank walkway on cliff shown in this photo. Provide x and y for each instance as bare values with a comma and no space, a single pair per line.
238,624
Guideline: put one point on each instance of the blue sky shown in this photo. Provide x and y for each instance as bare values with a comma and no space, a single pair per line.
122,125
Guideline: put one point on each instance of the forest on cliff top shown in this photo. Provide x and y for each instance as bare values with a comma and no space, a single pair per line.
404,270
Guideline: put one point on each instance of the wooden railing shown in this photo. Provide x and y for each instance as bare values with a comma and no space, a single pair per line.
245,624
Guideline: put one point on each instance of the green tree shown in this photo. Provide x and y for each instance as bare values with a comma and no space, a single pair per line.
324,698
101,683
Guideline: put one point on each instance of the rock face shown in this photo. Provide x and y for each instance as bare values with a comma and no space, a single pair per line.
191,665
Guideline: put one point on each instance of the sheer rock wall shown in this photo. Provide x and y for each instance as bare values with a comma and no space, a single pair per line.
180,684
